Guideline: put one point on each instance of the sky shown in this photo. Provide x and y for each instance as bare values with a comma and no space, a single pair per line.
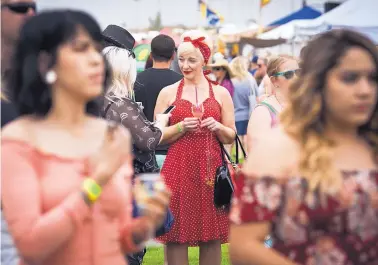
133,14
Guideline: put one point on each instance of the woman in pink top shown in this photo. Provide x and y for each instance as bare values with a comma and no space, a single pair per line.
57,159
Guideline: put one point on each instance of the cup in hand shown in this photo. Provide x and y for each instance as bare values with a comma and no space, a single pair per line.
146,186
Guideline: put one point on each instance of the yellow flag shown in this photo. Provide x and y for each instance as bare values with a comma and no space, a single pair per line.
264,2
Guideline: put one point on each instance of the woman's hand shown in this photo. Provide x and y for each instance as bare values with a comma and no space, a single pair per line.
156,207
163,119
113,154
211,124
190,124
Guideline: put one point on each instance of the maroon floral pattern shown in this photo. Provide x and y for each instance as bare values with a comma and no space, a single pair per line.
343,231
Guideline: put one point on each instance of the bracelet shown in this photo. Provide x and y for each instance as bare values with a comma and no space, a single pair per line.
179,127
91,189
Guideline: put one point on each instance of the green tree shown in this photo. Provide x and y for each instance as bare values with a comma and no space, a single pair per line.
156,23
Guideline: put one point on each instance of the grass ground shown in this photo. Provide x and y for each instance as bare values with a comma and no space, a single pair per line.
155,256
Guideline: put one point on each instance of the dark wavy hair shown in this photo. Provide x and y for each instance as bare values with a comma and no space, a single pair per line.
304,117
45,33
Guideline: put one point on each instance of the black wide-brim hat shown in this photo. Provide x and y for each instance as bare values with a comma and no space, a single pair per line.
117,36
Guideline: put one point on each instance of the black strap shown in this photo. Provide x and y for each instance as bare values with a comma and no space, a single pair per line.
106,109
225,153
238,142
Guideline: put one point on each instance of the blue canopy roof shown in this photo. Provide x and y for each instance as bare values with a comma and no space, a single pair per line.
304,13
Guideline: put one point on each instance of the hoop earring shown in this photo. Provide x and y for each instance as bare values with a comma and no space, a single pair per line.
50,77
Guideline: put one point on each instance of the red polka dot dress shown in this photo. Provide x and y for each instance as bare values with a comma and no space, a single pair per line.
189,171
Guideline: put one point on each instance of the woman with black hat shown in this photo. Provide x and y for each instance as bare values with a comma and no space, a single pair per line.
121,107
119,99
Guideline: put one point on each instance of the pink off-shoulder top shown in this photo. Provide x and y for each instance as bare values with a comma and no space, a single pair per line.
47,217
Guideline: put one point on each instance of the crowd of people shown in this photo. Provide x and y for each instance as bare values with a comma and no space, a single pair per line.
79,126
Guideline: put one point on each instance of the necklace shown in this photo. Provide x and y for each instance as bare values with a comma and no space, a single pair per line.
209,178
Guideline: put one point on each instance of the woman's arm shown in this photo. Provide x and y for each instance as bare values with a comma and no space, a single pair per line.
170,133
37,235
227,131
249,227
145,135
247,246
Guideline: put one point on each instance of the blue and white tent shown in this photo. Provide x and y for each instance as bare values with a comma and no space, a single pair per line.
359,15
303,14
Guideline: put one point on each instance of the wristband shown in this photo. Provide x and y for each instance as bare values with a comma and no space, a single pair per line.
179,127
91,189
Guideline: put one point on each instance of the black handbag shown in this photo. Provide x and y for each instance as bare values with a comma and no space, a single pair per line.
224,176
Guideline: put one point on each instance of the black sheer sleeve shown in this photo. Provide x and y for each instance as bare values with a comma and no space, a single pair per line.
146,136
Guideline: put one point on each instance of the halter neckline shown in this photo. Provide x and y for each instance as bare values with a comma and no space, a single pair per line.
181,88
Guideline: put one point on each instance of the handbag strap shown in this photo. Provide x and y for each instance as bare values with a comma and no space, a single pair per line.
225,153
238,142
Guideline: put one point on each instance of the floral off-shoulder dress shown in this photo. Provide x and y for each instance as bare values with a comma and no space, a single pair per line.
340,231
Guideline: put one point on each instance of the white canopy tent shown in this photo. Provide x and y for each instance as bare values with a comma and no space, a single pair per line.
356,14
286,31
359,15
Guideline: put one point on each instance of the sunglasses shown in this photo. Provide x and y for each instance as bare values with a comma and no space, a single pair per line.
21,7
218,68
289,74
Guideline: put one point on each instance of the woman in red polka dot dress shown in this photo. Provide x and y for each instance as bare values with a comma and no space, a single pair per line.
194,155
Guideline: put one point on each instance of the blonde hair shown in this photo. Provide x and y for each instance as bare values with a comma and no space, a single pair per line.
315,162
275,62
239,67
123,72
186,47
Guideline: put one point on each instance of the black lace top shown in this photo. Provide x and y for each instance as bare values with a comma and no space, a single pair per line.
145,135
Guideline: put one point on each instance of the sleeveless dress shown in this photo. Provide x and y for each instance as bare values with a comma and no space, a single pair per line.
189,171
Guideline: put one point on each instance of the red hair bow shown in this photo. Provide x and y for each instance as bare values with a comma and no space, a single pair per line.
203,47
205,51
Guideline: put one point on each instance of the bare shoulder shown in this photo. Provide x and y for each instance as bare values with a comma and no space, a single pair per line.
19,129
222,95
274,154
260,112
221,91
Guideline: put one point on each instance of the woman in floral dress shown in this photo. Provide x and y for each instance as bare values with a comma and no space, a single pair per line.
194,155
319,199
